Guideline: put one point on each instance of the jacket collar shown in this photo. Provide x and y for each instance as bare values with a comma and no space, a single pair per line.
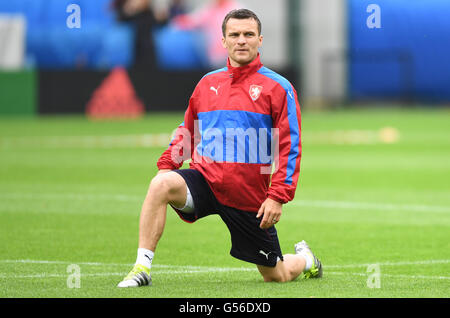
243,71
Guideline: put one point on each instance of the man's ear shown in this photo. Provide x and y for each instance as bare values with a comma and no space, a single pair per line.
260,41
224,43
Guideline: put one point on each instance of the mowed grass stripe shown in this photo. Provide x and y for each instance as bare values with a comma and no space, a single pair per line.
187,267
309,203
181,269
175,272
160,269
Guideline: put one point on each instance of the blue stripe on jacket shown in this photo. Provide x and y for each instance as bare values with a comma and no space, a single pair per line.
294,129
235,136
224,69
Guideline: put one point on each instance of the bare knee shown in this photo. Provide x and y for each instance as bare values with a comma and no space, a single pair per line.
159,185
167,187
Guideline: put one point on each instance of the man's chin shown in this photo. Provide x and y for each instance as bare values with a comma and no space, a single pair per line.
243,60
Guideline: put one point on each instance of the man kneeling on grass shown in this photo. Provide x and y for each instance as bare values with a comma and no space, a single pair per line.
258,108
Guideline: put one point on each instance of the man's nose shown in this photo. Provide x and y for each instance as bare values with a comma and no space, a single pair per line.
242,40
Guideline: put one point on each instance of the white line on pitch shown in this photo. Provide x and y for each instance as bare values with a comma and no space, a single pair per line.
119,141
339,137
391,275
208,268
156,266
370,206
159,272
170,272
175,269
73,196
400,263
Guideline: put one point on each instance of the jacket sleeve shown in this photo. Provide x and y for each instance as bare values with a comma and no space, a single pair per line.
286,118
182,144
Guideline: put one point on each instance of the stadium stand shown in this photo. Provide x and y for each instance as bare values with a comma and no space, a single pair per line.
100,43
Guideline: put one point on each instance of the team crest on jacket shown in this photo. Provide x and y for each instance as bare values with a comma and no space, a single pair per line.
255,91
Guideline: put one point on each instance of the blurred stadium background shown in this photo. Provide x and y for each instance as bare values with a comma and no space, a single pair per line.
326,48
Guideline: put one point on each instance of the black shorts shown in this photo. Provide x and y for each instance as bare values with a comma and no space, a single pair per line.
249,242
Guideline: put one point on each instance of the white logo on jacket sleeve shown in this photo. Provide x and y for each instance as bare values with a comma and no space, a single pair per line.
255,91
291,95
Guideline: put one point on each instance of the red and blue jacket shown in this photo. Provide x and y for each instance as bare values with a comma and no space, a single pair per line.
235,115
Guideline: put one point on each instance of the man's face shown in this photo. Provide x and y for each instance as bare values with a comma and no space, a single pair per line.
242,41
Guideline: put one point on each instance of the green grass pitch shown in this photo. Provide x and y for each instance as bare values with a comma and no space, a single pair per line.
373,203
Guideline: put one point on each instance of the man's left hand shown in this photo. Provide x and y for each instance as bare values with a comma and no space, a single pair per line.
271,211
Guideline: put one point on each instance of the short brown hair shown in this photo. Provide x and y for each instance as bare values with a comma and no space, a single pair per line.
240,14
